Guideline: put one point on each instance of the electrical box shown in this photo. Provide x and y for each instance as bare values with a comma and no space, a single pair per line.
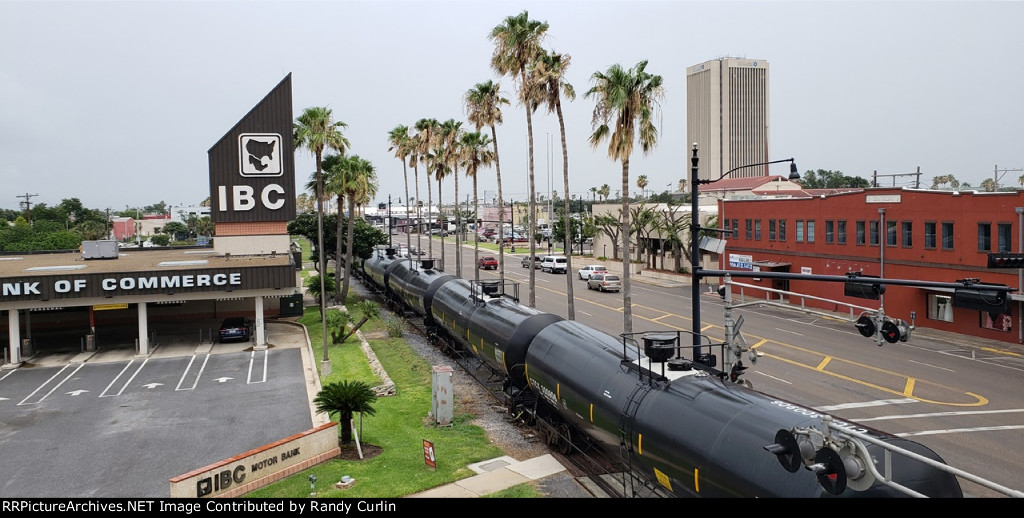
443,400
105,249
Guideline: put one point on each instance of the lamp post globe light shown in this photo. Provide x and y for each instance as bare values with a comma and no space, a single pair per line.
695,229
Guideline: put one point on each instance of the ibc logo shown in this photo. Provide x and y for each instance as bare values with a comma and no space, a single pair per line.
260,154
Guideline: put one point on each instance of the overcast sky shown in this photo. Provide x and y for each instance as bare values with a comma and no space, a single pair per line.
117,102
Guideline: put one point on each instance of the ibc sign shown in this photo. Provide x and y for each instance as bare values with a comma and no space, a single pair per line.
252,176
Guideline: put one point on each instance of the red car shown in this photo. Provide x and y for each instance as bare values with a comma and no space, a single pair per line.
488,262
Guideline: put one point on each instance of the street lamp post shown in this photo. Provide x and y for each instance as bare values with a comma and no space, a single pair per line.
695,229
512,222
389,222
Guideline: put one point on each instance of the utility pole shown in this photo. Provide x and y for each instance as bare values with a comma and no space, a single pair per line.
27,204
875,175
996,176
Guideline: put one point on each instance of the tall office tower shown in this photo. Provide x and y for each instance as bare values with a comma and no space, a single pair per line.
727,116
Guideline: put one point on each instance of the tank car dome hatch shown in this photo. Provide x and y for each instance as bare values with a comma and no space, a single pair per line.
490,288
660,347
390,252
427,264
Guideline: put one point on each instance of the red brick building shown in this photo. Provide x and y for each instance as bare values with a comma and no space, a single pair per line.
895,233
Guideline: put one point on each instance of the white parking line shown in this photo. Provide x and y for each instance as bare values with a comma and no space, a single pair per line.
252,361
188,369
127,382
28,399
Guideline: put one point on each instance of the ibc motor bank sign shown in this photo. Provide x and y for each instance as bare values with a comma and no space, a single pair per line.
252,168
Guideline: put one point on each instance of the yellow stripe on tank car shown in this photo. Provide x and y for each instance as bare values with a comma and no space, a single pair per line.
591,412
640,444
696,479
558,392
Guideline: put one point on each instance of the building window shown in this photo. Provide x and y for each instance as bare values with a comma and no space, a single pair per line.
984,237
1001,322
1005,237
810,231
929,235
782,230
890,233
830,233
940,307
757,230
799,231
873,233
750,229
860,232
736,228
947,235
908,234
771,230
841,232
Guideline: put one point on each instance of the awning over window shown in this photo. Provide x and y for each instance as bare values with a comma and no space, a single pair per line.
772,265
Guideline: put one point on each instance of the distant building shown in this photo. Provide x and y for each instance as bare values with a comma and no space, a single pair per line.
727,116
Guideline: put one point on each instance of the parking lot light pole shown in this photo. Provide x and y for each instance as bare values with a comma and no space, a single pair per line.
695,229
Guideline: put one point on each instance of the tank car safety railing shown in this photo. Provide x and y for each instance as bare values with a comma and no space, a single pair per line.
663,347
489,289
851,464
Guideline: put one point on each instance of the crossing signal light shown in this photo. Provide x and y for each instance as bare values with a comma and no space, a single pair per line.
1005,260
862,290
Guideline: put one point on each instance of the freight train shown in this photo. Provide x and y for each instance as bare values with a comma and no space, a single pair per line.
677,424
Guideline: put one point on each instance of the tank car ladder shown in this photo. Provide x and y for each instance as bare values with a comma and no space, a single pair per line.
626,419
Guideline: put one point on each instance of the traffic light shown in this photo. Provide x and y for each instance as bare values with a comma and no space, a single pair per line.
1005,260
862,290
981,299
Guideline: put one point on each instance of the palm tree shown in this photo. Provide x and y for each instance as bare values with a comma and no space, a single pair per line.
476,154
549,74
344,399
316,130
483,108
334,185
439,166
359,186
402,144
451,132
641,183
427,135
630,97
605,191
517,43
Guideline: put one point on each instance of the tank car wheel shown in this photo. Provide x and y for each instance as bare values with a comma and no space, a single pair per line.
564,439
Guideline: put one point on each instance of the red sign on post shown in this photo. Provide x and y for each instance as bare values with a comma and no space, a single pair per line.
428,454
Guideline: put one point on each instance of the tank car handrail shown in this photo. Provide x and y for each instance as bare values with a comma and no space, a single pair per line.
889,448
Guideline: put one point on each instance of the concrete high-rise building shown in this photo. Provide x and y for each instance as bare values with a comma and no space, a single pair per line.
727,116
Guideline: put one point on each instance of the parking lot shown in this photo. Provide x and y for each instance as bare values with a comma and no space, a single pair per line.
111,424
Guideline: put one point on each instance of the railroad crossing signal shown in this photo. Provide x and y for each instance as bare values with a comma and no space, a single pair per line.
1005,260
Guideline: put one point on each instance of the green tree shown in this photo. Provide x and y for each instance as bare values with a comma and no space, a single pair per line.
316,130
822,179
344,399
451,133
337,321
483,106
630,97
314,283
549,75
368,309
175,229
517,44
476,153
403,146
359,185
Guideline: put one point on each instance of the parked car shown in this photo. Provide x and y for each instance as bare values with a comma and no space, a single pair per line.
234,328
488,262
527,261
554,264
604,282
590,269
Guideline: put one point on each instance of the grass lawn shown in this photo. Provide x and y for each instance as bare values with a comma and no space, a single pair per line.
399,426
